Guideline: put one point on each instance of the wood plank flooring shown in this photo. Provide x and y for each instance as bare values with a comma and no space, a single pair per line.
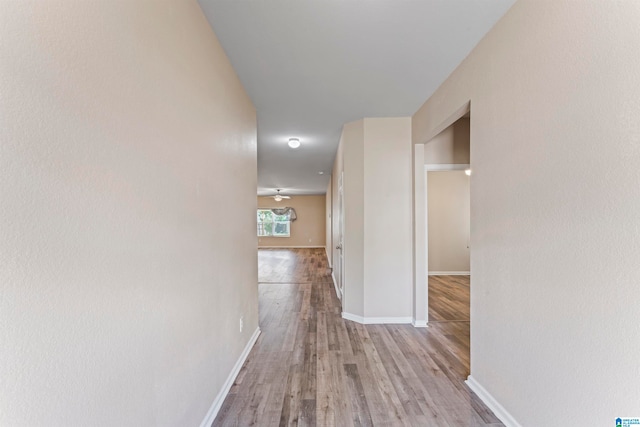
448,298
293,266
310,367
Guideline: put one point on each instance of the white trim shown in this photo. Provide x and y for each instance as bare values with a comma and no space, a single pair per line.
446,167
335,285
352,317
376,320
449,273
217,402
289,247
419,323
458,114
326,251
491,403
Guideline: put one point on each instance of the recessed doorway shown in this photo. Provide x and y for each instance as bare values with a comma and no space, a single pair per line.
448,218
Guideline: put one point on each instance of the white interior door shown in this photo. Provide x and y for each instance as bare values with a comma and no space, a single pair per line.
340,257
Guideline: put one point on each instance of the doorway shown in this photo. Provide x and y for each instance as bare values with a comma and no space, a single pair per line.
447,238
448,213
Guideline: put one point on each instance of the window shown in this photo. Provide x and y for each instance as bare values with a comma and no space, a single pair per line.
272,225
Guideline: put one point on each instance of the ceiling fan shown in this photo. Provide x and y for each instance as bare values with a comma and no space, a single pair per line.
278,197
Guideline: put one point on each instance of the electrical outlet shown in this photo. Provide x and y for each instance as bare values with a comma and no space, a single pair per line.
241,323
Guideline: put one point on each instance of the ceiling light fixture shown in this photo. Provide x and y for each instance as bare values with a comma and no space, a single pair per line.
279,197
467,172
321,173
294,142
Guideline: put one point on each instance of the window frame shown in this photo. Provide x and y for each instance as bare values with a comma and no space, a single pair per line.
275,222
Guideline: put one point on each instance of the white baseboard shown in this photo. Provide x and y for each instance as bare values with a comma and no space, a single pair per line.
376,320
353,317
335,285
217,403
326,251
290,247
449,273
499,411
446,167
419,323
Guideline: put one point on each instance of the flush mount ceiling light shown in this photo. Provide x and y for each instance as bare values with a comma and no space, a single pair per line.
294,142
467,172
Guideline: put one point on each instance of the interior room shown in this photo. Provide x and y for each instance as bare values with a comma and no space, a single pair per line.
308,228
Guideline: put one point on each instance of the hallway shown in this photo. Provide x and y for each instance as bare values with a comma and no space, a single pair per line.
311,367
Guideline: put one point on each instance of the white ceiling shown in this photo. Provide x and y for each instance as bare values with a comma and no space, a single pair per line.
311,66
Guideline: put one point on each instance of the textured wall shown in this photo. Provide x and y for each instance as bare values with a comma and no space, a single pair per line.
451,146
352,147
387,217
555,196
375,154
123,127
448,209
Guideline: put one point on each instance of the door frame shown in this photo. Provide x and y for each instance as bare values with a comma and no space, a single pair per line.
436,168
338,279
420,232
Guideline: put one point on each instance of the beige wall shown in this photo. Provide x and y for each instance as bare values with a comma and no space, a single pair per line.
307,231
378,281
122,281
451,146
327,221
352,147
336,173
420,255
555,195
387,196
448,210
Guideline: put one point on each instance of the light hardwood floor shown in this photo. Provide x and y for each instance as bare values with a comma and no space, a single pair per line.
310,367
449,298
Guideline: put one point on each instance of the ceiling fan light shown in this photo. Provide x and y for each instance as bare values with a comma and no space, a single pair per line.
277,198
294,142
